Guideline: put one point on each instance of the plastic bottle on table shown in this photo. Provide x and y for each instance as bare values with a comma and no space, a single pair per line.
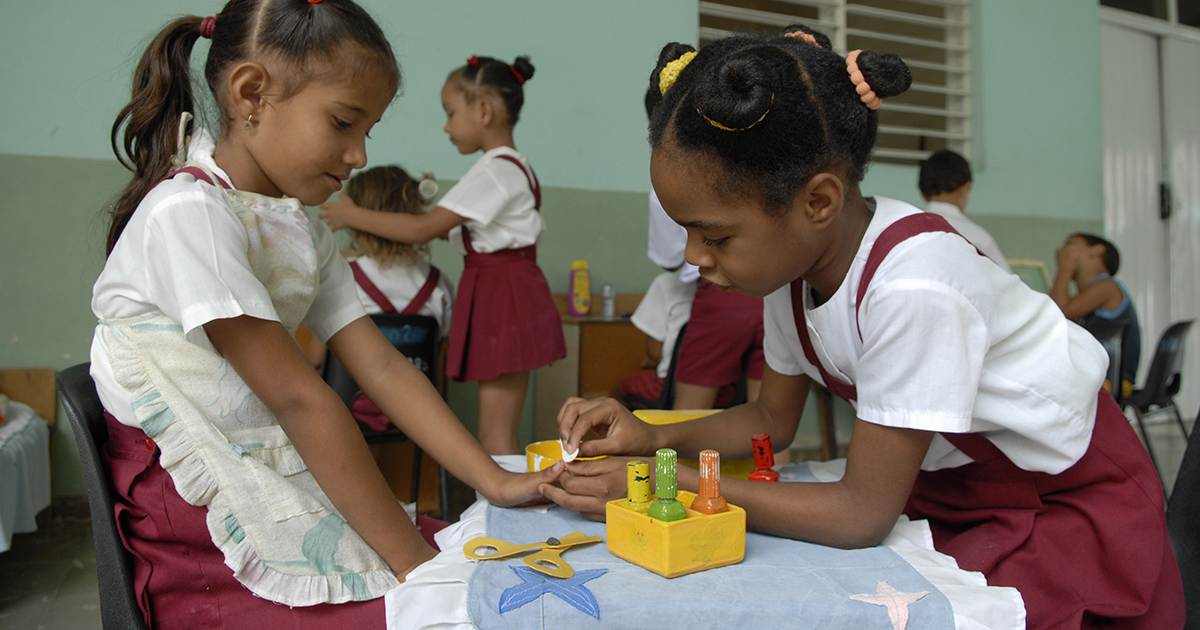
579,297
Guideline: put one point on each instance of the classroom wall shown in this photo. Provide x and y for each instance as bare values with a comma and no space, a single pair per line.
66,72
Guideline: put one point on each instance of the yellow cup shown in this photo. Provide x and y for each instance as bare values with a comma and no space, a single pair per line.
544,454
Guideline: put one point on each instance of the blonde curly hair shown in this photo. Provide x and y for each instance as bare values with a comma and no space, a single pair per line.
387,189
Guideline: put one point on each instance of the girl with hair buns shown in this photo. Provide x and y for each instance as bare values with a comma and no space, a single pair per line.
979,406
243,489
505,323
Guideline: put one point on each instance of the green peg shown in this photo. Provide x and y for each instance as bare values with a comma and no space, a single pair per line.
666,484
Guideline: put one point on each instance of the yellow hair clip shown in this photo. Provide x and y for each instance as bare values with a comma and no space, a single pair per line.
724,127
670,72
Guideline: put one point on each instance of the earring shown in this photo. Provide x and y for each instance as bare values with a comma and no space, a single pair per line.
249,121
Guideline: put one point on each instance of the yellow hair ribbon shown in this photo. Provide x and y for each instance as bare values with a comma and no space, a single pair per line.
670,72
723,127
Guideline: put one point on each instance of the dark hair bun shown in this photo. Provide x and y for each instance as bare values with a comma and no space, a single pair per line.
739,89
822,39
521,64
887,74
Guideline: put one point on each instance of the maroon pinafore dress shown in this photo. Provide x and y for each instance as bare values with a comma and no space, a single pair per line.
504,317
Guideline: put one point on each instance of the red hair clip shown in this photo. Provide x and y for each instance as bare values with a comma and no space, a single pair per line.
520,77
473,61
314,1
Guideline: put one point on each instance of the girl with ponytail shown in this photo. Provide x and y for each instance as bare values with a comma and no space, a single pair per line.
979,406
244,490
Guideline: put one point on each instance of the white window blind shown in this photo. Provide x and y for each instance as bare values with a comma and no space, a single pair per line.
933,37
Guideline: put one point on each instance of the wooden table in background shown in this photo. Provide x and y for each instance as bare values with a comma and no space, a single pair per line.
600,354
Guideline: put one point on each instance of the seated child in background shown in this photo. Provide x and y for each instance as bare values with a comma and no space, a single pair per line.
396,277
945,181
1091,262
665,309
391,276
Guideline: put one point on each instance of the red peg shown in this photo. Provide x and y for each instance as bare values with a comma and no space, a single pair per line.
764,459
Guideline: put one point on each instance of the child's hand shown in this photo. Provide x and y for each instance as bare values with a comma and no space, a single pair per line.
602,426
520,489
1068,258
586,487
336,211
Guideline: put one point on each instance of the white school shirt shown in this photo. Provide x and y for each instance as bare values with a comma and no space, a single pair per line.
400,283
497,202
666,241
183,253
950,342
970,230
664,309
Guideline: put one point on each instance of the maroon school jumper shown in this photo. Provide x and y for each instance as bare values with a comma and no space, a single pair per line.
1086,547
504,317
364,409
723,340
180,579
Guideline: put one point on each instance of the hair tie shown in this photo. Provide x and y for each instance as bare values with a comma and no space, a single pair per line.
807,38
724,127
207,25
865,93
670,72
520,77
314,1
473,61
427,188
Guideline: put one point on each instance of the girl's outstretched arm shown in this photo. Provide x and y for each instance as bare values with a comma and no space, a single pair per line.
414,405
397,226
324,434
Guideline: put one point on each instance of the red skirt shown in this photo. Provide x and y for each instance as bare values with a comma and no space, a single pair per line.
504,317
1086,547
723,339
179,576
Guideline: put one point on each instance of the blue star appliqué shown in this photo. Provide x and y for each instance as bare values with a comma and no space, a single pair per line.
533,585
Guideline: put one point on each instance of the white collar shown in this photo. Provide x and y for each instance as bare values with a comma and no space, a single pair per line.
943,208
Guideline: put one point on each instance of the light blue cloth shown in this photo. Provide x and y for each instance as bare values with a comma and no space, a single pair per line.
24,472
781,583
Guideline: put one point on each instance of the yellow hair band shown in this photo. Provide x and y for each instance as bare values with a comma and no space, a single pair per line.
724,127
670,72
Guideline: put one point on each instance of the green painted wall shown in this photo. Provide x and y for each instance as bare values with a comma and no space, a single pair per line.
1036,111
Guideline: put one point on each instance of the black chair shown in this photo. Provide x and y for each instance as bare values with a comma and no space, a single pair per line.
416,337
114,566
1183,522
665,400
1109,333
1162,383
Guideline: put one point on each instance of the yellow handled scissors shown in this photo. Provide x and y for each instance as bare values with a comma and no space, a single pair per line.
548,560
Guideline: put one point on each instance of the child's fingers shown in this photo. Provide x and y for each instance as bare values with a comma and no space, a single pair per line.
548,475
602,446
566,416
596,467
585,486
596,417
570,412
590,507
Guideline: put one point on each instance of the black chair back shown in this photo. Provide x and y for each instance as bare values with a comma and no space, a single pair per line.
1162,382
1109,333
114,567
1183,522
667,401
415,336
